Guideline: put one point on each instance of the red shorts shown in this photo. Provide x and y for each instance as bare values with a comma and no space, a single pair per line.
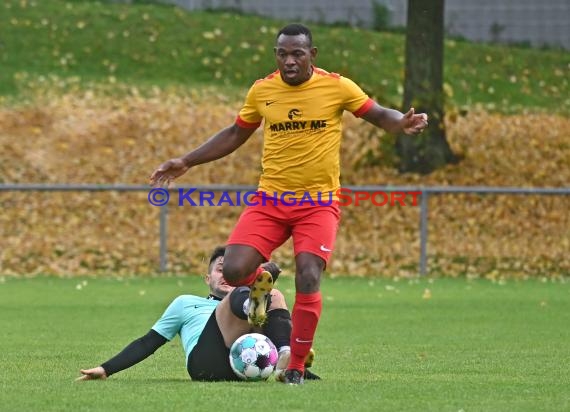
268,224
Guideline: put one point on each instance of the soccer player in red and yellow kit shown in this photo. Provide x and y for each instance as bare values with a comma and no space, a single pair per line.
301,107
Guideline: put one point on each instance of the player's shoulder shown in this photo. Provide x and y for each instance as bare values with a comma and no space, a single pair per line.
191,300
267,79
318,71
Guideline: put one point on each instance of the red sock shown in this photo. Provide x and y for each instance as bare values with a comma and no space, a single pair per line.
248,280
305,317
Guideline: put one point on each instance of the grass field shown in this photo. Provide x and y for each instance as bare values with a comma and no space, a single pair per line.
421,345
70,43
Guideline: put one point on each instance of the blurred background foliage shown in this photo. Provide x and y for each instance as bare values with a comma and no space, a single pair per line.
100,93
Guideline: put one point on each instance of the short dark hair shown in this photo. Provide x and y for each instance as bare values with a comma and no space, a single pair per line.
218,252
294,29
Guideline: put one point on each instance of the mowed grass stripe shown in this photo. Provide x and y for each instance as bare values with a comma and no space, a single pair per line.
382,344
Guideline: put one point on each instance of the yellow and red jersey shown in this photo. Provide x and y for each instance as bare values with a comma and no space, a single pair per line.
302,130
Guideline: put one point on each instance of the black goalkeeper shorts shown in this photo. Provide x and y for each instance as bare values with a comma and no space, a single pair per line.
209,360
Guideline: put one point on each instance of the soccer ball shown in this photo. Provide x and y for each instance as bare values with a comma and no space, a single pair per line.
253,357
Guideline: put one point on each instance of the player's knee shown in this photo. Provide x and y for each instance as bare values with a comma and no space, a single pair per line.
308,279
234,272
277,300
237,299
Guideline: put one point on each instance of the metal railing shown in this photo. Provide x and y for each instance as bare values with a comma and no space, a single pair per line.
426,192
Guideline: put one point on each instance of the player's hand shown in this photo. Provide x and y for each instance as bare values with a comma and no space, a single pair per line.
92,374
414,123
167,172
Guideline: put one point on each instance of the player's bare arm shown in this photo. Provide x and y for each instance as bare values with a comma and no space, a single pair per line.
221,144
394,121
